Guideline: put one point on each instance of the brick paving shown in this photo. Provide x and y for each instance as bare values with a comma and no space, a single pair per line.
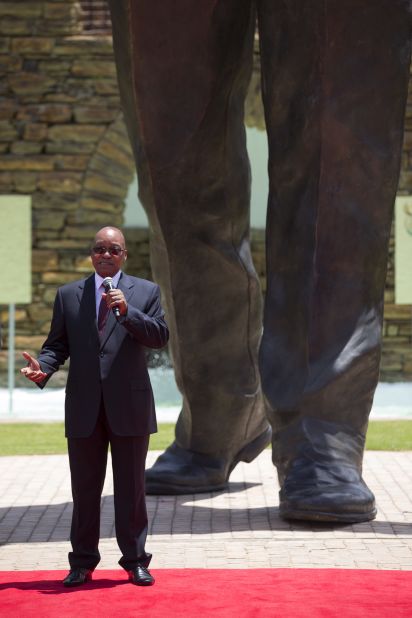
239,528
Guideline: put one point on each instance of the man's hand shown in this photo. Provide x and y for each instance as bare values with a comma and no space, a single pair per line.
115,298
33,371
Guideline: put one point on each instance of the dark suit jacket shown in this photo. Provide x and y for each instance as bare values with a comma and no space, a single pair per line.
112,367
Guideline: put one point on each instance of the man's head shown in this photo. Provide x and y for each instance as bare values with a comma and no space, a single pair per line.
108,251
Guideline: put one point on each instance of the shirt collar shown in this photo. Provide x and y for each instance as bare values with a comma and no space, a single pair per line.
98,280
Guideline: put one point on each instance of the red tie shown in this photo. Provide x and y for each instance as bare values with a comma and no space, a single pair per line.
102,317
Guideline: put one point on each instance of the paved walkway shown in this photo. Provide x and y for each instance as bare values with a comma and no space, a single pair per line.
237,528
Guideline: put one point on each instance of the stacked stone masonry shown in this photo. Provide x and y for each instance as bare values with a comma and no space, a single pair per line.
63,142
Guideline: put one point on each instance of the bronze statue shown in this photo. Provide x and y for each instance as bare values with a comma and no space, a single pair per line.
334,84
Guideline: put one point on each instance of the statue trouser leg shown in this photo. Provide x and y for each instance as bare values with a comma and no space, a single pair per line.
183,74
335,78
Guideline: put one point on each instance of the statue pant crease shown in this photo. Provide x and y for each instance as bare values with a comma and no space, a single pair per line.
334,87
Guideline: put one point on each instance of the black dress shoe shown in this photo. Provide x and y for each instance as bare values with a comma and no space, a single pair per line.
180,471
77,577
140,576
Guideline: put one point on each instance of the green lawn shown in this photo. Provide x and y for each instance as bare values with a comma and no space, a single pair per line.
48,438
389,436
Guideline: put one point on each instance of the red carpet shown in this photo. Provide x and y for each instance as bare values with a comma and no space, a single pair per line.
205,593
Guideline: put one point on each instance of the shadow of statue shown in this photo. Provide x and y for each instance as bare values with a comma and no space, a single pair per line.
195,514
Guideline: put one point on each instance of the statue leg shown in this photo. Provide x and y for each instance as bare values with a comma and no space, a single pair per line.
335,78
183,74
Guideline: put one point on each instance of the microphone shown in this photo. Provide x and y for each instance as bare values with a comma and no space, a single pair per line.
107,283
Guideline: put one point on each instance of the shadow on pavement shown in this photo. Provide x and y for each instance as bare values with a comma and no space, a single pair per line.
189,514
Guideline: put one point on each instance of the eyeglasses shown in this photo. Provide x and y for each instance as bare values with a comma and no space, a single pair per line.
112,250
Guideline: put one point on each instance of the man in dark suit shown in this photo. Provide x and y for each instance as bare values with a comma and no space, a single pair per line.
109,400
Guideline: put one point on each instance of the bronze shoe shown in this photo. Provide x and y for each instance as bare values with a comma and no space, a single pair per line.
180,471
321,479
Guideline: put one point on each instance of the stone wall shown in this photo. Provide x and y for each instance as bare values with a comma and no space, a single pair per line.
63,141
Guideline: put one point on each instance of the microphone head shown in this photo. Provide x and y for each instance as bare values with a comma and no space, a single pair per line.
107,283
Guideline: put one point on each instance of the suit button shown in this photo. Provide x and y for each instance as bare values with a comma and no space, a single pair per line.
101,354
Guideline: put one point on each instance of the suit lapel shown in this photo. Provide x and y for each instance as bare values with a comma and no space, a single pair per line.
87,300
126,285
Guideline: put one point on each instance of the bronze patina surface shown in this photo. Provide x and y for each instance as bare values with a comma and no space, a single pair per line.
334,84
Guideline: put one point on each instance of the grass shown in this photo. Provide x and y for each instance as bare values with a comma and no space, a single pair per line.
389,436
48,438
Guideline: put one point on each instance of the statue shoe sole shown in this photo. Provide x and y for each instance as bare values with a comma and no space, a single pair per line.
348,517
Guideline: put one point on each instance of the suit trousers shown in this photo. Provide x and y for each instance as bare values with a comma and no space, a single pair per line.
334,85
88,460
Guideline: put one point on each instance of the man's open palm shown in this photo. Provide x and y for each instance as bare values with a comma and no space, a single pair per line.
33,371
